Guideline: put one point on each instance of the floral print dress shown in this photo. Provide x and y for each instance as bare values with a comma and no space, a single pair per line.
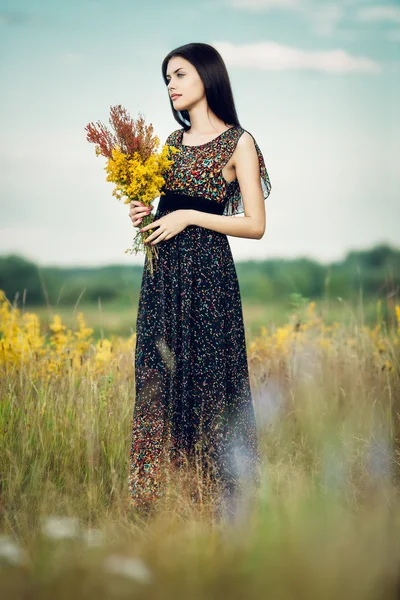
193,399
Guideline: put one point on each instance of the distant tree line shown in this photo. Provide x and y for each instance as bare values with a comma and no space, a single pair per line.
376,272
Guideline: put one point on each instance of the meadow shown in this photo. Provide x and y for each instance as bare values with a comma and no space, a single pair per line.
325,522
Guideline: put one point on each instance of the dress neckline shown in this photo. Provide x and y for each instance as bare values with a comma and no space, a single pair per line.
206,143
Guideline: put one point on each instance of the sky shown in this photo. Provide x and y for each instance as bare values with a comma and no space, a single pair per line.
317,83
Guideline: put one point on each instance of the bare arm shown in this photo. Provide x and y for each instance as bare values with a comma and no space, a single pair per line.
252,225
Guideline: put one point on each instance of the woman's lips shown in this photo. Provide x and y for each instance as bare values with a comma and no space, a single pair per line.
175,96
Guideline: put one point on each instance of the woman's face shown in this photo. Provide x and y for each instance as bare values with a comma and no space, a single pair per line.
183,80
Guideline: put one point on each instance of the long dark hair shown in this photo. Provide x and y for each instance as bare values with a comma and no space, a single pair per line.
212,71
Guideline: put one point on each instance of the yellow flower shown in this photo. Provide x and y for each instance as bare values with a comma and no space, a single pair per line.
136,179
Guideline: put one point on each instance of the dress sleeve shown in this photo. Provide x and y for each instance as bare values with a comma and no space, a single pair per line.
170,141
234,204
172,138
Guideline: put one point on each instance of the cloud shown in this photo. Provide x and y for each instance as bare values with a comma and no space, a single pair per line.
388,12
261,5
355,2
325,18
271,56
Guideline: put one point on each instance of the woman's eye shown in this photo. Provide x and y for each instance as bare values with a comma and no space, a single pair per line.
178,74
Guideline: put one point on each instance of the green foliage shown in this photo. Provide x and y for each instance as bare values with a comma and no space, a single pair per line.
18,277
375,272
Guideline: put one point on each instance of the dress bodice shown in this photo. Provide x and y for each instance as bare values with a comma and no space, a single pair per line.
197,170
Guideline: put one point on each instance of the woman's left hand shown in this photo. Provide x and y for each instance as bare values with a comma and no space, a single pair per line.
169,225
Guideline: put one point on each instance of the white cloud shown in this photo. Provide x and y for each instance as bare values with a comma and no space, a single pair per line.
278,57
388,12
325,18
260,5
353,2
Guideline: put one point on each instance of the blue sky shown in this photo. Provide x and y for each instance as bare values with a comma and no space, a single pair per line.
316,83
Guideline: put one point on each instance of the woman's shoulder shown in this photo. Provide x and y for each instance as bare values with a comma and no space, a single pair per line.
245,137
248,143
174,137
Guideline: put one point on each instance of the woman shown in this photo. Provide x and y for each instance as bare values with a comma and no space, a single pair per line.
193,399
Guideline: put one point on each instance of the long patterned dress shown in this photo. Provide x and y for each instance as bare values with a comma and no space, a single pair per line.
193,398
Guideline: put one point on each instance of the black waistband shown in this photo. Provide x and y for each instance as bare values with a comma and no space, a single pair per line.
173,201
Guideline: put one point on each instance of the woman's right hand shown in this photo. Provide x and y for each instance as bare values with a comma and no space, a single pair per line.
137,211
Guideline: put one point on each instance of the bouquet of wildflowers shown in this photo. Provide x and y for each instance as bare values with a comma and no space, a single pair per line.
133,164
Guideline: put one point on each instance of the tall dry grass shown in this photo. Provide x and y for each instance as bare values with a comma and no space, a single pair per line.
325,521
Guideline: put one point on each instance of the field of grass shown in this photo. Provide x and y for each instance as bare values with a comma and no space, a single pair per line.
113,318
324,524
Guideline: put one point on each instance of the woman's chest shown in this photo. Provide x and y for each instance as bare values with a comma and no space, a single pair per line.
191,167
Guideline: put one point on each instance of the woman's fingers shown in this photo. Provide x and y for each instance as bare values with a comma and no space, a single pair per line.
137,211
160,238
137,221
